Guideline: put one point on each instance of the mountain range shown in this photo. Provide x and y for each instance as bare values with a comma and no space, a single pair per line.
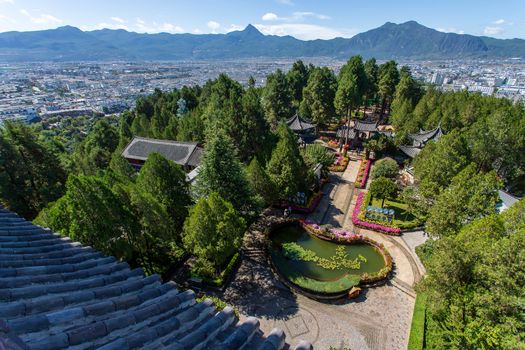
390,41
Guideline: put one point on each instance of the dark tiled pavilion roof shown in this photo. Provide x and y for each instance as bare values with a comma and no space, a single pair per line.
422,137
183,153
365,126
58,294
296,123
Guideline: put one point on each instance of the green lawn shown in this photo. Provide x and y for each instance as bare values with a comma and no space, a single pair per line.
402,218
417,331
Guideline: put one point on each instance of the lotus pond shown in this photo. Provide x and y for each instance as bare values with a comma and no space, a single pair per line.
319,265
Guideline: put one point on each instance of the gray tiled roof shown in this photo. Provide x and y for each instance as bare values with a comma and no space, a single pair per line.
58,294
410,150
183,153
341,132
296,123
423,137
365,126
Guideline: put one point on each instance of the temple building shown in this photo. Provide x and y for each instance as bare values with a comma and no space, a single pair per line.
357,133
187,154
420,139
303,129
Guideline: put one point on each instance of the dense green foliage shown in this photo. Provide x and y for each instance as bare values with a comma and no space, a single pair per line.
475,285
213,233
221,171
30,172
286,166
135,221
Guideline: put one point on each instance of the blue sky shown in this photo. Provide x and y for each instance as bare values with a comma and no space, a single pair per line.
304,19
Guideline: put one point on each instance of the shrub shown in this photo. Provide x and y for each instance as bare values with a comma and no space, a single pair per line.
386,167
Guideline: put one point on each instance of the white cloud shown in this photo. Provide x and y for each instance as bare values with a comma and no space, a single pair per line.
7,2
42,19
197,31
302,15
304,31
118,19
154,27
7,19
285,2
294,17
451,30
499,21
270,17
214,26
493,30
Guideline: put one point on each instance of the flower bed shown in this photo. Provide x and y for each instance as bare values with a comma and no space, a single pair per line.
362,174
340,164
357,219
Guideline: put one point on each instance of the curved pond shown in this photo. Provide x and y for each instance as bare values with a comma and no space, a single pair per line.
323,249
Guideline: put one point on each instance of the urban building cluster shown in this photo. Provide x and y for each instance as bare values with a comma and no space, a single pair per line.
502,78
32,92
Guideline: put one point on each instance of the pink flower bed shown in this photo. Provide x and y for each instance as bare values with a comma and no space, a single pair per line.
362,175
340,163
339,233
370,225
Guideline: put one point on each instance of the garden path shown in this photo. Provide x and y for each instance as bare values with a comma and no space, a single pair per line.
379,318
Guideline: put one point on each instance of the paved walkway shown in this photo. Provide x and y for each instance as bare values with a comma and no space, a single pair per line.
379,318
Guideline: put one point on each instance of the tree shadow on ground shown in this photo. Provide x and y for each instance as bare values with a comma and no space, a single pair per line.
255,291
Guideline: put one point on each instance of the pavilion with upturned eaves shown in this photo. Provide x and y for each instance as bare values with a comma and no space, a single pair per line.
420,139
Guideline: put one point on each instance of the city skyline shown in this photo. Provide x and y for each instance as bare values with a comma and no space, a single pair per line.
304,20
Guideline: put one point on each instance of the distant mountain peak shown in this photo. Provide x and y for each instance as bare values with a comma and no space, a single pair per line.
250,30
68,28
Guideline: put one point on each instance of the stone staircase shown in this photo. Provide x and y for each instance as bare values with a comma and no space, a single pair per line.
58,294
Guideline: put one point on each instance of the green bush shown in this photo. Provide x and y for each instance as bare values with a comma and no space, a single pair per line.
386,167
218,303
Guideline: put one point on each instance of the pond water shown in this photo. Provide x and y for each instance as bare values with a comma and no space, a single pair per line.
295,233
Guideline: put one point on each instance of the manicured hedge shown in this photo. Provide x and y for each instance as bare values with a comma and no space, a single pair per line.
417,331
